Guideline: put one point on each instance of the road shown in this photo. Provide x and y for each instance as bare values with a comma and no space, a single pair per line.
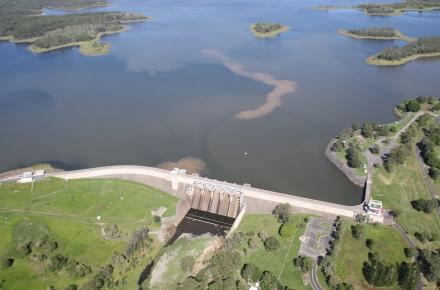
314,279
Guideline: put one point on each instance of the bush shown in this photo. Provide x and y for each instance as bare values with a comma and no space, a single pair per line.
395,212
57,262
356,231
338,146
271,244
375,149
7,263
24,248
287,230
252,243
369,243
434,173
263,236
156,219
250,272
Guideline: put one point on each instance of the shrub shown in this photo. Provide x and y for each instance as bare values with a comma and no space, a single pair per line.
24,248
356,231
250,272
263,236
338,146
409,252
156,219
57,262
369,243
271,244
7,263
287,230
252,243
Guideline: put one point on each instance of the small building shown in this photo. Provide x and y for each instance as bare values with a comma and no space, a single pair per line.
375,210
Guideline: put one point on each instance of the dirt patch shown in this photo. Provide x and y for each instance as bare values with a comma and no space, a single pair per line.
384,179
273,98
161,267
190,164
213,246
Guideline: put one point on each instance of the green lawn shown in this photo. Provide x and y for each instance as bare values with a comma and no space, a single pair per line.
67,211
273,261
352,253
397,190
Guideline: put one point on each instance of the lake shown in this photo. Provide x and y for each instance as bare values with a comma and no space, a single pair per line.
158,97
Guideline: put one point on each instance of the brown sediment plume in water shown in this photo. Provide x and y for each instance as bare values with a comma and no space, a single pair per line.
190,164
273,98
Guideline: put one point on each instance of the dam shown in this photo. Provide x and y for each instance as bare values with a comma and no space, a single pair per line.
220,197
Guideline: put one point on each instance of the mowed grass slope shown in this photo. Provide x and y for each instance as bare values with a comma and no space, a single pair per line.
397,190
352,253
67,212
279,262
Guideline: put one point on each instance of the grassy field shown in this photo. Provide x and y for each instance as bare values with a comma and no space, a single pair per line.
67,212
352,253
279,262
397,190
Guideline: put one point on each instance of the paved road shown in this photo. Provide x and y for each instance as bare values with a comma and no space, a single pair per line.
314,279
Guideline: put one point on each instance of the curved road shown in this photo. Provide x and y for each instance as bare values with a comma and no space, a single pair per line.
314,282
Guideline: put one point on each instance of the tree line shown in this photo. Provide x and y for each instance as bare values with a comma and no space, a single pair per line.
423,45
374,32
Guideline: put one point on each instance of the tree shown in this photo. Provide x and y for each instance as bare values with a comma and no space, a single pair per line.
412,106
379,274
434,173
355,126
430,264
250,272
407,275
368,130
356,231
304,263
271,244
425,205
282,211
187,263
338,146
369,243
269,281
353,156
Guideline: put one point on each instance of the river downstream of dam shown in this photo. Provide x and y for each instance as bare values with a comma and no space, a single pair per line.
176,86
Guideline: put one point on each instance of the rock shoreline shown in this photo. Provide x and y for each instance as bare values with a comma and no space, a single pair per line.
351,175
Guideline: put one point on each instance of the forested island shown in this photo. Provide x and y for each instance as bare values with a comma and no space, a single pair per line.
422,47
390,9
267,29
379,33
19,22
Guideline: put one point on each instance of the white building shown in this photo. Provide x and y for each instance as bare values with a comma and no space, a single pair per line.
375,210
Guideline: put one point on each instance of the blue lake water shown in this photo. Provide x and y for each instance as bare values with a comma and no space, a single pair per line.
158,98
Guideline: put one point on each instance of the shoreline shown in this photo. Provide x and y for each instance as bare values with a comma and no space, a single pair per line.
35,49
373,60
271,34
399,36
347,171
396,12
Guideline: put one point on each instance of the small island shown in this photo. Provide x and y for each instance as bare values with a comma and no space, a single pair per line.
421,48
375,33
48,33
267,29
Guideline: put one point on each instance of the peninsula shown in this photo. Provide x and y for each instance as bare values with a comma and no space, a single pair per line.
47,33
375,33
421,48
267,29
389,9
